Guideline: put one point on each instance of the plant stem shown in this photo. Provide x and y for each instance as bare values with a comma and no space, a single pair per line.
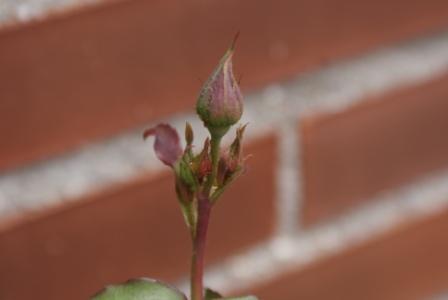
214,153
197,260
199,240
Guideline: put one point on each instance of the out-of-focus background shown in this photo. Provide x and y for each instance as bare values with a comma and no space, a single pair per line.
346,192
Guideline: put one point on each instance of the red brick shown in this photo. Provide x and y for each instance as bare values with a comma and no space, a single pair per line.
130,231
88,74
381,144
406,264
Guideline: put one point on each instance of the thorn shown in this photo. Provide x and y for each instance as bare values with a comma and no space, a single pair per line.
235,38
199,79
240,79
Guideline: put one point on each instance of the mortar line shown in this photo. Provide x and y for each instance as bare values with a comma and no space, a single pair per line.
288,181
124,157
17,12
279,255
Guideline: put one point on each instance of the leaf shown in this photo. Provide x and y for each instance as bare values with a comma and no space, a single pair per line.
140,289
211,294
167,144
240,298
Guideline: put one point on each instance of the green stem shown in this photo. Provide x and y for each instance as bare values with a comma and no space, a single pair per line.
214,152
215,142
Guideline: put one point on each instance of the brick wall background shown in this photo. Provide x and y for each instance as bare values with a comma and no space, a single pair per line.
346,193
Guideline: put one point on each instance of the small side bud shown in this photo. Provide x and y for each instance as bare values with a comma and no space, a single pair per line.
189,136
220,102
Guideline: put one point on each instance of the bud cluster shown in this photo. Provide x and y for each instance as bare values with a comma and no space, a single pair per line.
206,174
192,171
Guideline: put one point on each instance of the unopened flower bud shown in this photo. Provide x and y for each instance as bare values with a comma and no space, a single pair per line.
220,103
189,136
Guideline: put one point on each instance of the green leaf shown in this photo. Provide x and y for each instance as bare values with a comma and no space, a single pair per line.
211,294
241,298
140,289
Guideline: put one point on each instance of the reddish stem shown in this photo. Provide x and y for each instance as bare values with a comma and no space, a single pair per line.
197,261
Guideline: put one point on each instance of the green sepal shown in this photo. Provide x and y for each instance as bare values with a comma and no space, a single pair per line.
185,174
140,289
186,185
218,192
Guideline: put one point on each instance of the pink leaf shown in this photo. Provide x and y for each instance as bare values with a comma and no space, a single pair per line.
167,144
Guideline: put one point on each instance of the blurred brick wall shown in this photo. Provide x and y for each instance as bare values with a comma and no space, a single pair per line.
346,192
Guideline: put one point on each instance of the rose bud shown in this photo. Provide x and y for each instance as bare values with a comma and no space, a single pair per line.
219,104
189,135
167,144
